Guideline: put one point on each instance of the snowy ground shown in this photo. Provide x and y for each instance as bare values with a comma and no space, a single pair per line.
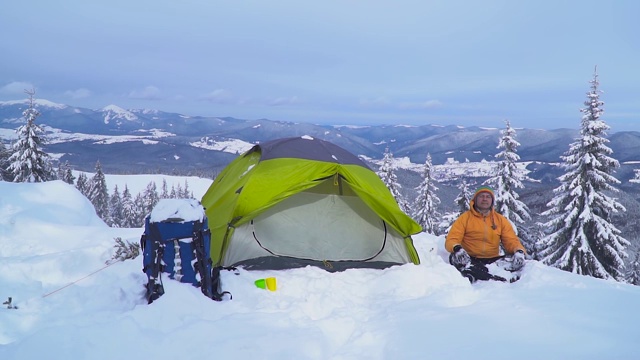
50,238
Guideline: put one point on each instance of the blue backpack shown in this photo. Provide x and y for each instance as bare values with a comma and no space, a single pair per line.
180,249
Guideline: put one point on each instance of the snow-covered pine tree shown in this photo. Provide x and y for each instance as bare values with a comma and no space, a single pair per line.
65,173
116,209
178,191
633,274
28,162
507,177
150,197
129,214
99,194
140,210
165,190
5,174
582,238
60,171
68,175
186,193
462,203
82,184
464,197
425,210
387,175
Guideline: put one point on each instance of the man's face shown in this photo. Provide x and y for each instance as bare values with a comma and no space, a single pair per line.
483,201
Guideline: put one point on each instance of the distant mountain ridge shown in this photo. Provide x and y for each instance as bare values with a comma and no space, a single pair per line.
146,139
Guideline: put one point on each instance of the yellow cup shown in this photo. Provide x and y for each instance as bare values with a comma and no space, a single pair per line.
268,283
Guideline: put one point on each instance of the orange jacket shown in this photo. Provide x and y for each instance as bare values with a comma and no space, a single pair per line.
475,234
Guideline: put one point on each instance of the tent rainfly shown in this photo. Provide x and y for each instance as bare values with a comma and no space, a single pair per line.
301,201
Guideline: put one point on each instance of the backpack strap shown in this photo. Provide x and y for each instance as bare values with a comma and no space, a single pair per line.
209,276
201,265
217,293
153,249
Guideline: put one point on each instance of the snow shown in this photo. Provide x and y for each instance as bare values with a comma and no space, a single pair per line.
232,146
116,112
8,134
352,126
37,102
56,136
53,250
172,209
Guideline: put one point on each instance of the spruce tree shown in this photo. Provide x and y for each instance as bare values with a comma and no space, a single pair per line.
65,173
28,162
464,197
5,174
129,213
582,238
389,178
425,206
60,172
461,201
68,175
82,184
186,193
116,209
165,189
506,178
150,197
140,210
633,274
99,194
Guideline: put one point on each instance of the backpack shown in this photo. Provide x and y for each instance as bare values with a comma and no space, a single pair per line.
179,246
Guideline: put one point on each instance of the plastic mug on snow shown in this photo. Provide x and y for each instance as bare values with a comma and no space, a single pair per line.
268,283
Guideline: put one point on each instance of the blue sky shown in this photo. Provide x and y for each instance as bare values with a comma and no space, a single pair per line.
330,62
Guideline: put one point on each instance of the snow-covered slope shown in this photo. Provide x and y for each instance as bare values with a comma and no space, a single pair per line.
116,113
71,305
37,102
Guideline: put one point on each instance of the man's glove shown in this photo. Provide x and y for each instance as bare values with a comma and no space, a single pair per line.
459,257
517,261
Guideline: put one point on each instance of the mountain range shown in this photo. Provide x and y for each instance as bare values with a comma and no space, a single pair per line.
154,141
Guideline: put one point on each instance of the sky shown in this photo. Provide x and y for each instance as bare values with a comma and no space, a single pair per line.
359,62
71,305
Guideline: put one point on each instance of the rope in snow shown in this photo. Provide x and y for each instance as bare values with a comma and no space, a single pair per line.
66,286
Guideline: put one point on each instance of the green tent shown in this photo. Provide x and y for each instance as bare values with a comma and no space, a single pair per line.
302,201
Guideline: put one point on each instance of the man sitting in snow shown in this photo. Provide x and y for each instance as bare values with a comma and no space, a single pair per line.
475,237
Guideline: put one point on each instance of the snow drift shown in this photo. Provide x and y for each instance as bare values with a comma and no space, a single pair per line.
71,305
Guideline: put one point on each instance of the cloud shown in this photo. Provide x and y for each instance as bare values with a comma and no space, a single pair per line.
283,101
16,87
429,104
148,93
219,96
81,93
